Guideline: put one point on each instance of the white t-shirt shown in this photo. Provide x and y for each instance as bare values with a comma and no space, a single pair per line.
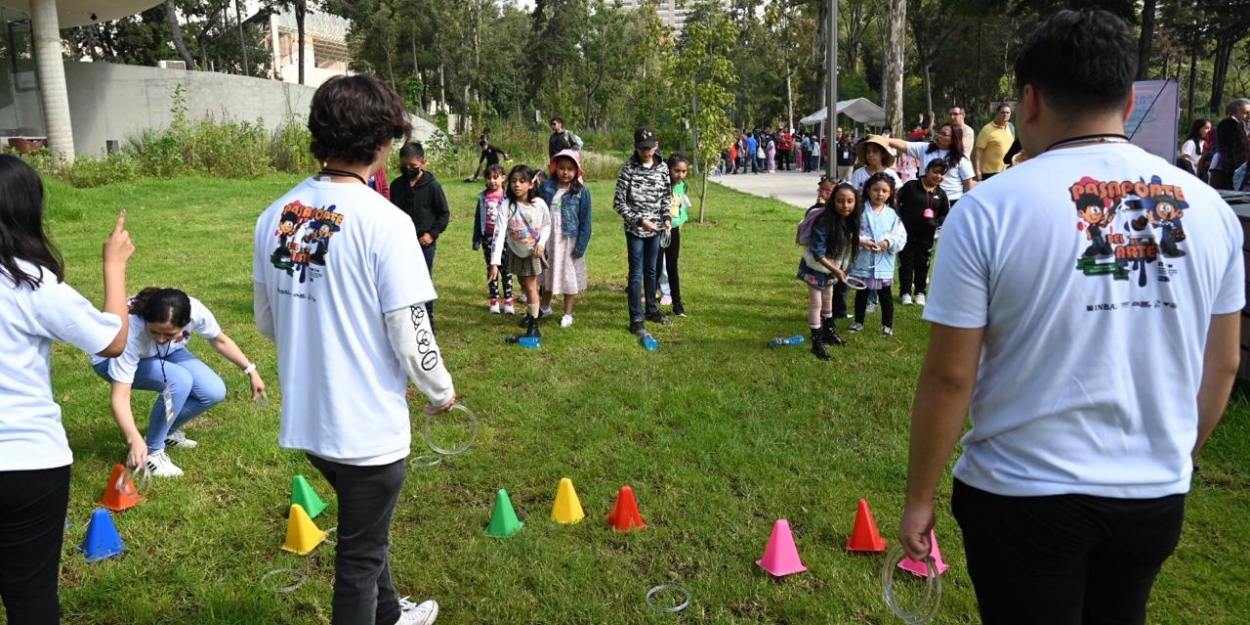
343,386
1190,151
1091,362
139,343
861,175
953,183
31,434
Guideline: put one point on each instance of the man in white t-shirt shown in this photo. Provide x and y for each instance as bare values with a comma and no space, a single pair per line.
1092,373
343,302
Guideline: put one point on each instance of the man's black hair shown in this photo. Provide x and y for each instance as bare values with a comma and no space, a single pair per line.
412,149
1080,61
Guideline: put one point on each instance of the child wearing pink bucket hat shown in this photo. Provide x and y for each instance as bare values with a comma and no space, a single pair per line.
569,200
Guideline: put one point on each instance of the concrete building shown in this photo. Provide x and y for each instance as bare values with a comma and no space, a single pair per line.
325,47
669,11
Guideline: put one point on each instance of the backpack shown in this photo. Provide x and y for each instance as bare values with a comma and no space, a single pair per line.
803,236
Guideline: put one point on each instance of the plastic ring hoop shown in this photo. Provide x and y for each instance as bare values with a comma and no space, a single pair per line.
855,283
424,461
429,439
673,587
301,577
333,530
932,595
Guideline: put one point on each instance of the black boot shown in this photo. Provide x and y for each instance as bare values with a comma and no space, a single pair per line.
818,344
531,327
829,332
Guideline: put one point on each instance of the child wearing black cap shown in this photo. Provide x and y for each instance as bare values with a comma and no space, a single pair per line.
643,199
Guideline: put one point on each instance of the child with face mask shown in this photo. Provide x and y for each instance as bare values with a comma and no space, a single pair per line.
421,197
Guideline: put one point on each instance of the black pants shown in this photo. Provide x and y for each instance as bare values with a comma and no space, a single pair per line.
504,277
32,529
914,263
428,252
363,590
1221,180
807,160
885,300
783,160
1065,559
839,300
667,261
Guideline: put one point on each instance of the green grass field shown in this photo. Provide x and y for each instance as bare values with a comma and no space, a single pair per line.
718,435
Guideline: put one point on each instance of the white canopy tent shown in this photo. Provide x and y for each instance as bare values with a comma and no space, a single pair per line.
861,110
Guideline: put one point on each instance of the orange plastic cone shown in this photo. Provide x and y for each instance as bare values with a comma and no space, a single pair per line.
120,493
624,516
919,568
781,557
865,536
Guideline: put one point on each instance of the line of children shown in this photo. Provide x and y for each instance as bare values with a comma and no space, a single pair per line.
569,200
524,222
882,235
667,263
922,206
484,226
832,246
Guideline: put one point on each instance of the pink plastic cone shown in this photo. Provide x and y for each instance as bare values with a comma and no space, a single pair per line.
919,568
781,557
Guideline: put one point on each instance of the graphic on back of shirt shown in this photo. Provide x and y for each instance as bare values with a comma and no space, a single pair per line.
303,239
1130,227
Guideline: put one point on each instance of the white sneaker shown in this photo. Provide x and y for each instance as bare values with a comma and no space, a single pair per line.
545,312
413,614
179,439
920,299
907,299
494,306
161,466
566,321
508,307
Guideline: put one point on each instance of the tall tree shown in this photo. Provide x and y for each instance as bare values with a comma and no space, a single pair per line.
892,83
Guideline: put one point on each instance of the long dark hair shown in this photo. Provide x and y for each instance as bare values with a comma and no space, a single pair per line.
529,174
1194,134
842,233
956,152
160,305
22,236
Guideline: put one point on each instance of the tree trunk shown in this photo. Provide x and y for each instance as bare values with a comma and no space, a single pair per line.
1193,71
1146,39
703,195
238,17
175,34
928,93
892,82
1223,50
301,7
789,92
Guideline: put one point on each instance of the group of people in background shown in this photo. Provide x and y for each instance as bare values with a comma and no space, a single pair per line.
1219,154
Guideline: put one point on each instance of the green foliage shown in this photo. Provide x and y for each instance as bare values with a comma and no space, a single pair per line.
413,88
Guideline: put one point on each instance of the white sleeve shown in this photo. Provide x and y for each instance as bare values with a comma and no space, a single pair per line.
545,234
413,341
1189,151
66,316
916,149
203,322
960,287
1231,294
965,170
501,232
123,367
263,311
897,236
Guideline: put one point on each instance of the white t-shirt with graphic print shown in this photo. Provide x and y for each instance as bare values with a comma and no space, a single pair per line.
343,386
1093,347
140,345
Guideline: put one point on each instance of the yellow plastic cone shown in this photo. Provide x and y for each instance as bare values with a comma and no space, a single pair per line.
567,509
302,535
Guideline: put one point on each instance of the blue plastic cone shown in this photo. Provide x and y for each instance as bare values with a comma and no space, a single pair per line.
102,541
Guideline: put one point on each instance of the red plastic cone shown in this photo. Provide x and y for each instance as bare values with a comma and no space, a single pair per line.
781,557
919,568
865,536
625,516
120,493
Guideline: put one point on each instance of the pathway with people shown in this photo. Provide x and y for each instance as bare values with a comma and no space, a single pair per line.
792,187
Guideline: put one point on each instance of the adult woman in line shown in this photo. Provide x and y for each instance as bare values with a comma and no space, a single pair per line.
36,308
156,359
1194,145
947,145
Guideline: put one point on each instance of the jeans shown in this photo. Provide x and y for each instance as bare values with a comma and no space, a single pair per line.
364,593
666,263
1065,558
193,385
644,253
32,529
428,252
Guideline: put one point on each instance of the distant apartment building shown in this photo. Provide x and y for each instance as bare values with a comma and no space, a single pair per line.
325,47
671,12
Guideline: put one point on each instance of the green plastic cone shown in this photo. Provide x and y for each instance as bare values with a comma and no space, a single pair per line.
503,521
303,495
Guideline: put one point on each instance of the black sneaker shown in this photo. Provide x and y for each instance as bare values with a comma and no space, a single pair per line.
637,327
658,317
679,312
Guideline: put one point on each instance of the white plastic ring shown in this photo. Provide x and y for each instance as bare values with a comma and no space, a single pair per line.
425,460
473,427
333,530
651,603
300,578
928,607
855,283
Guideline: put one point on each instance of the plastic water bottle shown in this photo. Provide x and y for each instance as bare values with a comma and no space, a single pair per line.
781,340
649,342
528,342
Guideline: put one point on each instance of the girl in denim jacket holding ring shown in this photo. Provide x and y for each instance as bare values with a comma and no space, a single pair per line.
570,228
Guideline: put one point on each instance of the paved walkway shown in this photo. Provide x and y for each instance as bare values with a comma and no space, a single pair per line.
791,187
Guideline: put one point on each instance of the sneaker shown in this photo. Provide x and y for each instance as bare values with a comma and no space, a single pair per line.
417,614
872,308
907,299
637,327
887,331
679,312
494,305
666,300
523,299
179,439
545,312
658,317
161,466
509,307
920,299
855,327
566,321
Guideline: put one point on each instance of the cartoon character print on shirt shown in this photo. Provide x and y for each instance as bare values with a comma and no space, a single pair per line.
303,239
1130,225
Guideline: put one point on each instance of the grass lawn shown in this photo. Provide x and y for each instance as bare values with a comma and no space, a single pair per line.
718,435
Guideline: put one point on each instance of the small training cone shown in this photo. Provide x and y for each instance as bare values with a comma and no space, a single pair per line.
781,557
102,540
919,568
303,495
503,521
567,508
302,535
865,536
120,493
624,515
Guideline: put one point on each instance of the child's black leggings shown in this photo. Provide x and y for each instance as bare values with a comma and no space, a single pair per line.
886,302
505,276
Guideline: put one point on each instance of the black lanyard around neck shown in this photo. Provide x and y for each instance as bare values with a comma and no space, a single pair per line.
340,172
